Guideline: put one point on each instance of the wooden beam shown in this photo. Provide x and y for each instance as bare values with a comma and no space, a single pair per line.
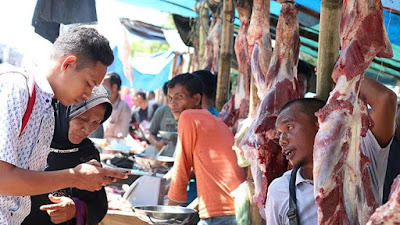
203,20
329,44
224,67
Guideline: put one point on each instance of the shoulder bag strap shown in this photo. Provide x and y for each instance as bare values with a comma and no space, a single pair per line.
292,213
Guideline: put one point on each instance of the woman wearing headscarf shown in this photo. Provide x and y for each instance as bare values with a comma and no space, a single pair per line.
70,147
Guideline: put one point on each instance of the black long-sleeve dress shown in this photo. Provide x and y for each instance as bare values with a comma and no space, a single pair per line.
68,155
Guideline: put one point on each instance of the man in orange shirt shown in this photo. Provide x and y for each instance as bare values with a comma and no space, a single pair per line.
204,145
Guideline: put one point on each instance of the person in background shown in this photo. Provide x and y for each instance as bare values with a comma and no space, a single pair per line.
393,165
204,145
151,96
304,74
141,116
77,63
296,127
143,109
209,81
117,126
163,120
70,147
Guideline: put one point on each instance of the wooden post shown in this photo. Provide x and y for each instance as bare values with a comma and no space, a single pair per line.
204,21
328,45
224,67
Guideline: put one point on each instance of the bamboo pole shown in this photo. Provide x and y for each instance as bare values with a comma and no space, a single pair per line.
224,66
328,45
204,26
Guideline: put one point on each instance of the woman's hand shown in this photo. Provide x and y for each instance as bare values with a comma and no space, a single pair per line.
61,211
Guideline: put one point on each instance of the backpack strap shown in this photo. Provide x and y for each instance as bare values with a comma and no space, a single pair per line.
292,213
29,108
30,81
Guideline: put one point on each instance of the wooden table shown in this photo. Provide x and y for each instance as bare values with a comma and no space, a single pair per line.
116,217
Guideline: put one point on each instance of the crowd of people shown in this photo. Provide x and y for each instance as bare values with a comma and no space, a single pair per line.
51,173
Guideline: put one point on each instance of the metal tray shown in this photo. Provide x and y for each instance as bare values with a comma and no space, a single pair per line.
165,214
151,162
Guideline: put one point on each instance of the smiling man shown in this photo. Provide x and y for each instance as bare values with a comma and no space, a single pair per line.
297,126
204,145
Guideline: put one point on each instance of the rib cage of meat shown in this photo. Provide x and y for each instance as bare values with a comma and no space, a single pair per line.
238,106
281,86
342,183
388,213
212,46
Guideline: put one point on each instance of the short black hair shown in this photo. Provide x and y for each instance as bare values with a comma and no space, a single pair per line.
165,88
209,81
114,79
141,93
309,106
306,69
191,82
87,44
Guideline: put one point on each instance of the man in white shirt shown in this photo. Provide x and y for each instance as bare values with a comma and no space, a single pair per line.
297,126
77,63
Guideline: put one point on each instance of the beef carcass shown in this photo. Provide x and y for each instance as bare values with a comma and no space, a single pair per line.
281,86
259,36
388,213
341,180
238,106
212,46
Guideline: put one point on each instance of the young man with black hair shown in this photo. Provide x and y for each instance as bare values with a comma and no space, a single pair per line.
77,63
143,110
204,145
117,126
297,126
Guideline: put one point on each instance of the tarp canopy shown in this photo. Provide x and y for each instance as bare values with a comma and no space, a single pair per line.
309,27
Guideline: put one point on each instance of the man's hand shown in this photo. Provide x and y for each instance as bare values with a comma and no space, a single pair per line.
92,177
61,211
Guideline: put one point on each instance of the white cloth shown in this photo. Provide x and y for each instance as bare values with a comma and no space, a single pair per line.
277,203
30,150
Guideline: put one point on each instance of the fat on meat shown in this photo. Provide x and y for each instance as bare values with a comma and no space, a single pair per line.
238,106
342,184
259,35
389,213
259,144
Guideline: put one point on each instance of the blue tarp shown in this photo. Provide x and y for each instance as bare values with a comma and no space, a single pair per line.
151,72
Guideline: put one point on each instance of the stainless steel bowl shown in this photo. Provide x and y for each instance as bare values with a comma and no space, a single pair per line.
166,214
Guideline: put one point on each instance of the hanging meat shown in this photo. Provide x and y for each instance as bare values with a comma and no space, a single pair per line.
212,46
341,180
259,37
238,106
388,213
281,86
